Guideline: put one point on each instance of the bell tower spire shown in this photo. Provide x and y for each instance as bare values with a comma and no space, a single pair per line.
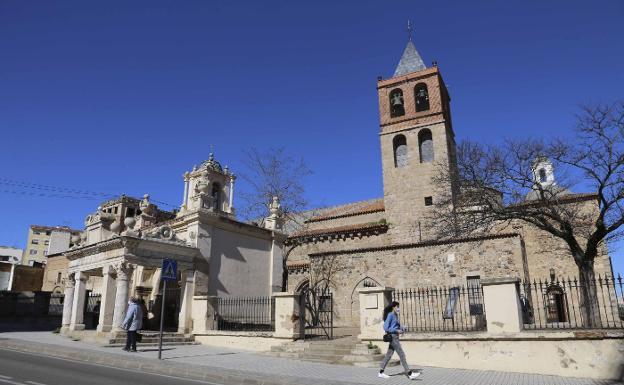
410,60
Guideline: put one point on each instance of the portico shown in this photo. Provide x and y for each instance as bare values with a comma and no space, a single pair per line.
121,262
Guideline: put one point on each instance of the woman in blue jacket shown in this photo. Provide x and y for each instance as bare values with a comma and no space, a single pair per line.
392,327
132,323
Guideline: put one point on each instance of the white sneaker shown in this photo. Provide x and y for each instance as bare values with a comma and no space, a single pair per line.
414,375
382,375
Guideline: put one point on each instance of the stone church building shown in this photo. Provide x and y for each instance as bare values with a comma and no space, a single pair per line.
386,242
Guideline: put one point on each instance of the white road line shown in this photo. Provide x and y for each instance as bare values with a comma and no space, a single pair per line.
11,382
5,377
110,367
34,383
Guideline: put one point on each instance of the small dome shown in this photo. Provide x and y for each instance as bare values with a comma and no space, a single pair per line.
212,164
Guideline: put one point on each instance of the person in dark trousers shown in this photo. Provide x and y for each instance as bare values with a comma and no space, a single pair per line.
394,329
132,323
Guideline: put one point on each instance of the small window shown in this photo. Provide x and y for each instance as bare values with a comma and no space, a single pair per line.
475,294
33,252
542,175
45,252
46,242
428,201
36,233
58,277
421,95
48,233
115,211
399,143
396,103
130,212
34,242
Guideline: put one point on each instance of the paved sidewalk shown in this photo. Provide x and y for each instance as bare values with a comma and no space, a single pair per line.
222,361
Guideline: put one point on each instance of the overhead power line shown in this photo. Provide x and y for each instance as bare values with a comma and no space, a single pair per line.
48,191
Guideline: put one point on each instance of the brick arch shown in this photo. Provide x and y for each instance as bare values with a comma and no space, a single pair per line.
355,300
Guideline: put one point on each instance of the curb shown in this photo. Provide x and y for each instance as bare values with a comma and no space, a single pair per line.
154,366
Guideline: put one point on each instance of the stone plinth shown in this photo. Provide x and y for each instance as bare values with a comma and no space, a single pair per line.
503,310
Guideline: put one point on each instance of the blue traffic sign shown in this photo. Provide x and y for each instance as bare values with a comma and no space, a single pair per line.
169,269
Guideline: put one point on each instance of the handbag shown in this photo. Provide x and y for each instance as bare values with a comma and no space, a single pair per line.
387,337
139,337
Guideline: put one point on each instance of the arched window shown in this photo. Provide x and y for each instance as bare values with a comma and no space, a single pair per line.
425,145
399,144
396,103
556,304
542,175
421,95
216,197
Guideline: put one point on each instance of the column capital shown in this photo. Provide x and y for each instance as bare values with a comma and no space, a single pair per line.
70,281
123,270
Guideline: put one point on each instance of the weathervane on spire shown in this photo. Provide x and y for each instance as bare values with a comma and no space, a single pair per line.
409,30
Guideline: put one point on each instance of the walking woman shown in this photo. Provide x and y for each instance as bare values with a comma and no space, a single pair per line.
132,323
394,329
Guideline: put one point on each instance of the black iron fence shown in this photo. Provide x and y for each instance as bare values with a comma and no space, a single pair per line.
570,304
441,309
245,314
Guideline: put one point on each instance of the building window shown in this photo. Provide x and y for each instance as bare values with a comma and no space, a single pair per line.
36,233
556,304
45,252
35,241
48,232
46,242
421,95
399,144
58,277
396,103
475,294
130,212
425,145
542,175
216,197
33,252
428,201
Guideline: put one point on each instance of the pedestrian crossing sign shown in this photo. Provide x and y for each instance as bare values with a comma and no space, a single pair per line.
169,269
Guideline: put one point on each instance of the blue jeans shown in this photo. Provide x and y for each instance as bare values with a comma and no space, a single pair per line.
395,346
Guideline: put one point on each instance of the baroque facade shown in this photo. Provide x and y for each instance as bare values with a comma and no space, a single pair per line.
388,241
120,252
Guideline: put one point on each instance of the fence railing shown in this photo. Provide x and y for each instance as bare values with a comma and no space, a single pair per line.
245,314
570,304
441,309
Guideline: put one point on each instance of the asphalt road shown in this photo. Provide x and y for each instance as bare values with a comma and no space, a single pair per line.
18,368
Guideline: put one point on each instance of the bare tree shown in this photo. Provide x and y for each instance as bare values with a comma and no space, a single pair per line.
273,173
496,186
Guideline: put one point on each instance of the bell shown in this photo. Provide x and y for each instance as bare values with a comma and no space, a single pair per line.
397,100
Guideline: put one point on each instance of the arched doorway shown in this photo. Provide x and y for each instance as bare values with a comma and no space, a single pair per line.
355,298
556,304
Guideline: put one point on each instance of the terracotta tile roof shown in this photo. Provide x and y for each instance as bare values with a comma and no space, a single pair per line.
350,209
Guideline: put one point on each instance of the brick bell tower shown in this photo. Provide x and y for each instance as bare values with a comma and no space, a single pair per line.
416,140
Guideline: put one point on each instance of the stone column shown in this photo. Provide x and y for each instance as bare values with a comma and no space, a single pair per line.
186,186
107,304
77,313
502,305
372,302
231,203
68,301
185,319
124,272
288,319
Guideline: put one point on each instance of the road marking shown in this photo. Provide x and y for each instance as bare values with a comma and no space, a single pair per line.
110,367
5,377
11,382
34,383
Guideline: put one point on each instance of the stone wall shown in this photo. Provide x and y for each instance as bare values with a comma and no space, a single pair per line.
418,265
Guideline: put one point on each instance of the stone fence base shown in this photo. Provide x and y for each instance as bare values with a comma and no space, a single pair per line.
598,355
251,341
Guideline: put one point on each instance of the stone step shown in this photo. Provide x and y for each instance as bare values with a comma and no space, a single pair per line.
142,344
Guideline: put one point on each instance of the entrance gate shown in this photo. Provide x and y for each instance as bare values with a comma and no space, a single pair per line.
319,313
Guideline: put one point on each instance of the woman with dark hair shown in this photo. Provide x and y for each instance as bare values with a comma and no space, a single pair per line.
394,329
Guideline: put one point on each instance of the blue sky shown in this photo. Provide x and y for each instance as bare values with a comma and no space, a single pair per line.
123,97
